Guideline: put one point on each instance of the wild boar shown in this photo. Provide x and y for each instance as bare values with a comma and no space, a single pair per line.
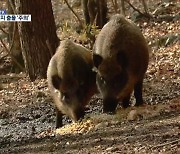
71,80
120,57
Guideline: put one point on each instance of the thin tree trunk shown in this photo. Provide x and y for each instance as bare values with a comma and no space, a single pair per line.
102,13
95,11
14,41
123,7
145,7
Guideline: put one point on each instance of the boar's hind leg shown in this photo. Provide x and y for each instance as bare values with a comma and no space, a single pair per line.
125,102
58,119
109,105
138,93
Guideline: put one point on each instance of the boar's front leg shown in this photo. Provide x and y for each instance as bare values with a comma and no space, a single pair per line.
138,93
58,119
126,101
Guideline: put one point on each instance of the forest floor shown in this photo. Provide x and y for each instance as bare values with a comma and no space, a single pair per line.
27,117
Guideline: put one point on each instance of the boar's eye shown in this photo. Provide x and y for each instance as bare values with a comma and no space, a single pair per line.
65,97
56,80
122,59
102,80
97,59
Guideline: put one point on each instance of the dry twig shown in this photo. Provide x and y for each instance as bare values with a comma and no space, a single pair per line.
80,22
134,7
146,14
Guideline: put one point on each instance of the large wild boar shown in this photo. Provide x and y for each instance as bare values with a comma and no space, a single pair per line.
120,57
71,80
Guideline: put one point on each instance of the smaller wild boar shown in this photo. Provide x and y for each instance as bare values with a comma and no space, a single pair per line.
120,57
71,80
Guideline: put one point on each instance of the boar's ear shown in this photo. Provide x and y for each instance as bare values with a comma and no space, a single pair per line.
56,80
122,59
97,59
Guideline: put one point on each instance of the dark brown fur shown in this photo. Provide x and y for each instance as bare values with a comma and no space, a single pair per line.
71,80
121,60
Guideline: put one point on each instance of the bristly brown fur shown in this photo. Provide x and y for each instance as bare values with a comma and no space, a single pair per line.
71,80
121,58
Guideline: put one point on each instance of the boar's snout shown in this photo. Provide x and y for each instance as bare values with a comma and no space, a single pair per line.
78,114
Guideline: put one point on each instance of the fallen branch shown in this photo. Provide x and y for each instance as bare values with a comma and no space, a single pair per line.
12,75
167,143
3,56
3,30
1,51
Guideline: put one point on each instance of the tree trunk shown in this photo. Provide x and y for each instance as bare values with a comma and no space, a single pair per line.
122,8
14,41
84,4
95,11
101,13
145,6
38,37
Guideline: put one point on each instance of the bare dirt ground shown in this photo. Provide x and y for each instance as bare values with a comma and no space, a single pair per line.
27,117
